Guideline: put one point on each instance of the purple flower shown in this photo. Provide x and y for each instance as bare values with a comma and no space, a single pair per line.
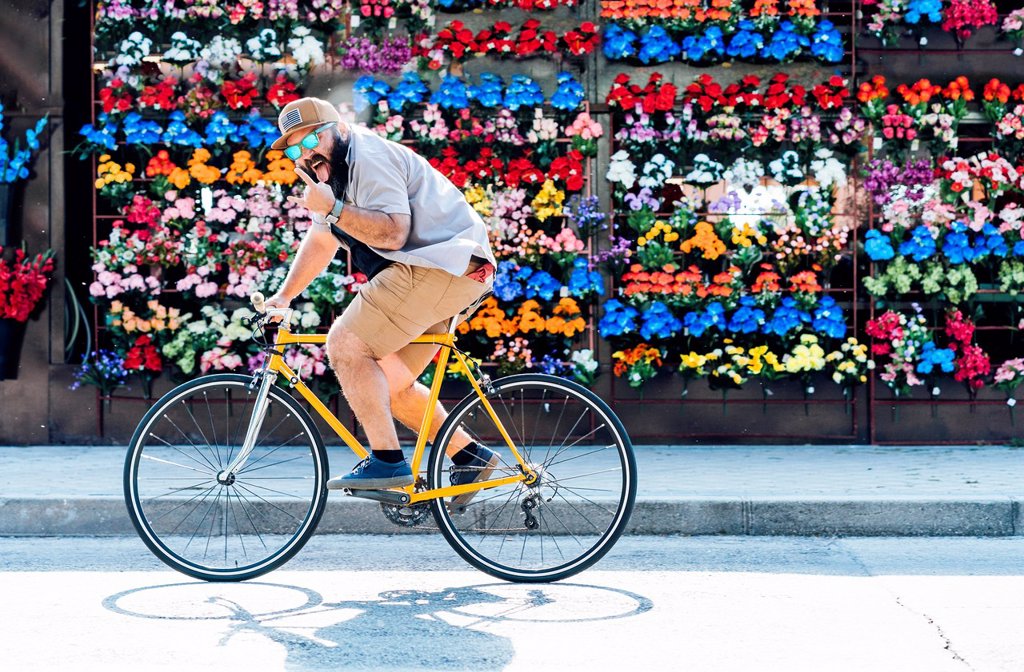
387,57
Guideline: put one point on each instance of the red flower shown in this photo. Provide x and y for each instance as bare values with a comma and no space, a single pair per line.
22,283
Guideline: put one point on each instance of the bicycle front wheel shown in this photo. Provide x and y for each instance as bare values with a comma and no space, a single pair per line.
581,501
201,520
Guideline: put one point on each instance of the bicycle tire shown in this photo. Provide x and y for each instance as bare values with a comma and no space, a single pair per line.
286,515
460,529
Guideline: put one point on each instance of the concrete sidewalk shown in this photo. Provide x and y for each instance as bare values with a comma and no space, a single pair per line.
758,490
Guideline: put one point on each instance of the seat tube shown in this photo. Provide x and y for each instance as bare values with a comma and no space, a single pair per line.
259,412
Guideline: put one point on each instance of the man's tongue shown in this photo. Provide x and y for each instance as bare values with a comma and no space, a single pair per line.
322,170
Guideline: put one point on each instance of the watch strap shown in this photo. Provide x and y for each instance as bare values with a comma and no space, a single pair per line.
335,214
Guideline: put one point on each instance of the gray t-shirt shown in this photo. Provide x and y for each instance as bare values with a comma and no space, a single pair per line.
389,177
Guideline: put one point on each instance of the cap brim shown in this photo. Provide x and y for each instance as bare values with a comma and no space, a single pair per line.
281,142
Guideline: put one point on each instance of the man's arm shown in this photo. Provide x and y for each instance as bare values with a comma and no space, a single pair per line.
317,249
376,229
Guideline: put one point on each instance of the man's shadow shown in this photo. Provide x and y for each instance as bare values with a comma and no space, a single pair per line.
402,629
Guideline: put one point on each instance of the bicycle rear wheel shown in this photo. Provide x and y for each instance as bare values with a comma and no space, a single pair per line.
579,505
204,522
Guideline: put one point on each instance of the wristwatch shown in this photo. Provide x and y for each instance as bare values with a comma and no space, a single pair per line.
335,213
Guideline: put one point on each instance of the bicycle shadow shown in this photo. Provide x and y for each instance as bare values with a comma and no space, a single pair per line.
450,628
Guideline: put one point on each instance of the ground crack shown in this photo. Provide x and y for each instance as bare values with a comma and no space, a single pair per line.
838,544
938,628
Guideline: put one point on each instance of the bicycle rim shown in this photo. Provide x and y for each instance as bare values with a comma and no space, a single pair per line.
584,495
203,523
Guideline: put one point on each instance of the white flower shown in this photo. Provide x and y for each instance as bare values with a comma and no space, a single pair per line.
705,171
183,49
585,360
264,46
656,171
745,173
304,48
621,169
133,49
827,170
221,51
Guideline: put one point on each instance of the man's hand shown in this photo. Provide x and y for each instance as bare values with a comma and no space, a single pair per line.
318,197
277,301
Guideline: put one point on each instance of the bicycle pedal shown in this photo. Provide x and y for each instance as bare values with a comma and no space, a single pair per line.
395,497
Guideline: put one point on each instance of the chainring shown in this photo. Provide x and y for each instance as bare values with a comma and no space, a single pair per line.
409,515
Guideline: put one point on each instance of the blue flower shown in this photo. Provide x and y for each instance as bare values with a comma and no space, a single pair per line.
656,46
410,90
1018,248
748,318
256,131
827,43
659,322
993,241
369,91
219,129
105,135
542,284
490,90
698,47
569,93
786,43
507,287
697,322
787,317
957,245
583,281
931,10
618,319
829,319
451,94
921,245
932,357
178,132
878,246
618,42
746,42
524,92
139,131
553,366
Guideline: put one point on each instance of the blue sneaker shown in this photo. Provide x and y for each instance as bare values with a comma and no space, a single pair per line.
479,469
374,474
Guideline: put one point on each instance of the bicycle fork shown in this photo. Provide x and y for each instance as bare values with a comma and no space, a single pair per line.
259,413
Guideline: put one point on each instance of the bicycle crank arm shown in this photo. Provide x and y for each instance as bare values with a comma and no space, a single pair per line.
395,497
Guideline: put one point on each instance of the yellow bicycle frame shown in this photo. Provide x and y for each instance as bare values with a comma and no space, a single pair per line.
447,342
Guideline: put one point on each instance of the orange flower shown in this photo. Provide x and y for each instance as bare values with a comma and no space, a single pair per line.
996,90
959,88
873,90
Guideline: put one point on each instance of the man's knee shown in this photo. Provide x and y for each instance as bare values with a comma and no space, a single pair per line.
345,347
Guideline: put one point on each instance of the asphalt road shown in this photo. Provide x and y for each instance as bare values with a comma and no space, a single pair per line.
655,603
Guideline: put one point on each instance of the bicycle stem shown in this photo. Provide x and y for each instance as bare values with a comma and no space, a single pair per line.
259,412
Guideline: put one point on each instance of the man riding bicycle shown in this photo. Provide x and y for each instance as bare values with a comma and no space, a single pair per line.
427,258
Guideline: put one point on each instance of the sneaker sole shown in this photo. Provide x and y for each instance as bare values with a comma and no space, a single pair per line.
485,473
369,483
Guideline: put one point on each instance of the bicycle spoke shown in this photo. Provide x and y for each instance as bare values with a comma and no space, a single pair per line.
213,425
548,465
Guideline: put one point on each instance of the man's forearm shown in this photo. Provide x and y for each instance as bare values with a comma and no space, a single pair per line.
317,249
376,229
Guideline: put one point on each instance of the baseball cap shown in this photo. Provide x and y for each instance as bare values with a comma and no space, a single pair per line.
304,113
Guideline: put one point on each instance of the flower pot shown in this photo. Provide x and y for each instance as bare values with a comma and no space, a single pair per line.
12,333
7,234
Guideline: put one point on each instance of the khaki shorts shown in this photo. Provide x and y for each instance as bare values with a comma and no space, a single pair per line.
403,302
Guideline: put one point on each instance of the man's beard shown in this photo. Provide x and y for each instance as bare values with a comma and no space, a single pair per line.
338,163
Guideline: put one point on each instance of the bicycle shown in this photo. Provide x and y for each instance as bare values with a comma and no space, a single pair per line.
220,504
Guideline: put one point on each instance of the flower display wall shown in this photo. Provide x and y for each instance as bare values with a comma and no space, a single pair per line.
724,236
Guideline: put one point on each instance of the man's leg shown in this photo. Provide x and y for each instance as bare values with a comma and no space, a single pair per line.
365,386
409,399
